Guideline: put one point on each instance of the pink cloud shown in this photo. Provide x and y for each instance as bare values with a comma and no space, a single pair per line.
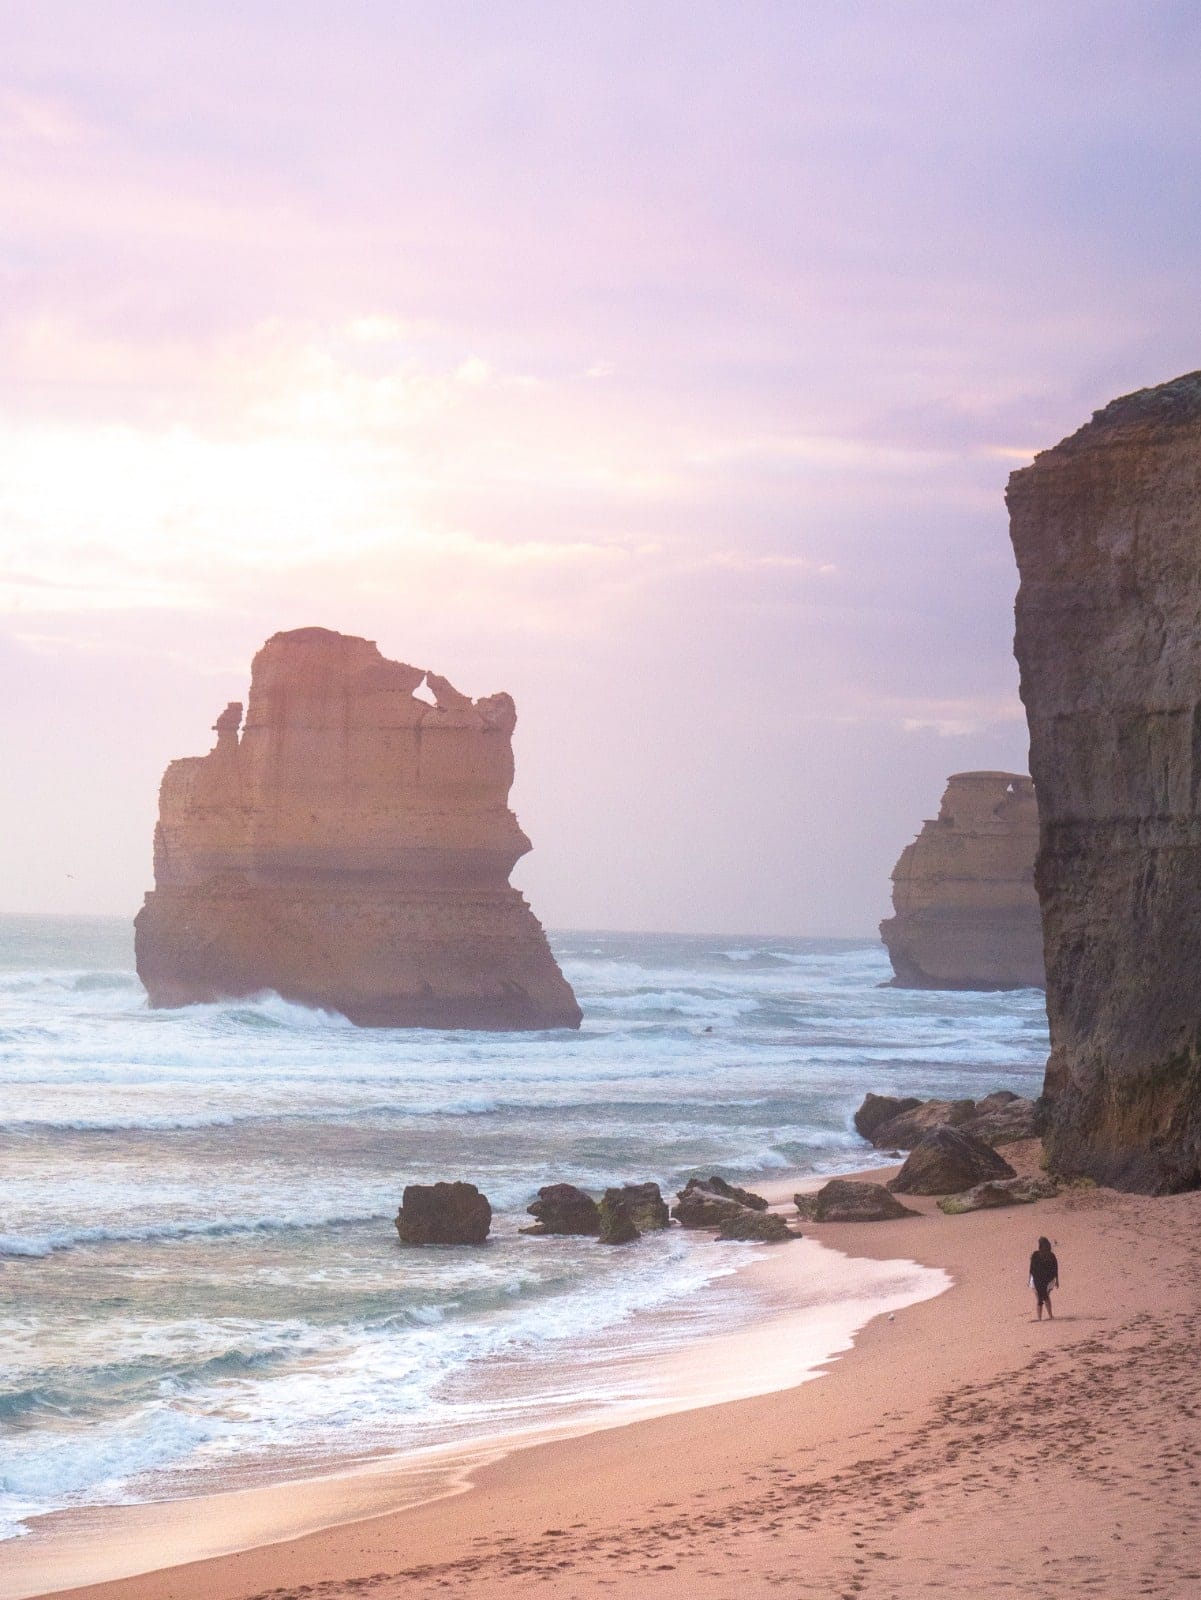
661,363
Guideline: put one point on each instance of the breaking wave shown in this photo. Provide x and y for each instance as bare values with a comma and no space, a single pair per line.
200,1271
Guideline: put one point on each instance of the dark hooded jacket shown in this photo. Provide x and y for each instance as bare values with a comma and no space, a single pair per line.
1044,1268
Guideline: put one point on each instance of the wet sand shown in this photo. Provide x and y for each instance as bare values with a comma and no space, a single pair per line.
959,1447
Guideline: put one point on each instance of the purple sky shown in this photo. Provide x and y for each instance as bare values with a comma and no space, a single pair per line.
662,364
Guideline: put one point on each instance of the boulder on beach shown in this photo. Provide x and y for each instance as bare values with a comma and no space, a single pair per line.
878,1109
759,1227
564,1209
617,1225
849,1200
1003,1118
910,1127
998,1098
948,1160
705,1202
443,1213
999,1192
744,1197
645,1204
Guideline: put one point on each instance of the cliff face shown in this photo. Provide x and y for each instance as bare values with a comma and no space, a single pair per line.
965,910
350,847
1107,532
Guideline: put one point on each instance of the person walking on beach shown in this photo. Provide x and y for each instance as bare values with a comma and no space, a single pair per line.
1044,1276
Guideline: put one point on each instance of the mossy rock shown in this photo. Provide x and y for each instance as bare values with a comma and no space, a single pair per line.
645,1204
617,1226
758,1227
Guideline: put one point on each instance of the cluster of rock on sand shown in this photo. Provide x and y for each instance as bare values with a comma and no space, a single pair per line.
951,1154
457,1213
898,1124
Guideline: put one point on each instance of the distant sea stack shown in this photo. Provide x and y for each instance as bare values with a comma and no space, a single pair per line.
965,909
1107,532
349,847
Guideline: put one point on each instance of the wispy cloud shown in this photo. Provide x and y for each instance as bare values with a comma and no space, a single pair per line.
664,366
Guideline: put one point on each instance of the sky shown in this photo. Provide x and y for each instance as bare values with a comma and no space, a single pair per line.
661,363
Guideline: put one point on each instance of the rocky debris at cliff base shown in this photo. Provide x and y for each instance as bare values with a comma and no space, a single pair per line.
966,913
878,1109
849,1200
644,1202
562,1208
999,1192
1004,1118
443,1213
911,1127
1000,1118
706,1202
949,1160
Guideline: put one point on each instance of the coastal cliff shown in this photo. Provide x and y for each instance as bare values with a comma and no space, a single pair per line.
965,910
1106,528
349,847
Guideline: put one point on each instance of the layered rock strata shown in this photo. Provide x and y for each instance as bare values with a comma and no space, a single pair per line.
349,846
1106,528
965,910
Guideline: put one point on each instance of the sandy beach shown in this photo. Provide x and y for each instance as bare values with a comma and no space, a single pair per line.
959,1446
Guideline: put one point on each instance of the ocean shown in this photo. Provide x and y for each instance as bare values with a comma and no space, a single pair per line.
200,1281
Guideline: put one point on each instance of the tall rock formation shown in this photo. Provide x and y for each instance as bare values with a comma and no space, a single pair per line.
966,912
350,848
1107,532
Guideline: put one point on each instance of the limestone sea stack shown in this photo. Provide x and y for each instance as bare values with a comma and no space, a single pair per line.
965,908
1106,528
349,847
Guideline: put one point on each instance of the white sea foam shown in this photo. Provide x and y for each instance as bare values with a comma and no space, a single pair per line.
198,1270
70,1238
345,1387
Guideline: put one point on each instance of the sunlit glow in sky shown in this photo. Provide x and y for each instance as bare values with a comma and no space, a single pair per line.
662,364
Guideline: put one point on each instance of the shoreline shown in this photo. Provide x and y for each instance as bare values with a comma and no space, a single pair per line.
794,1344
961,1445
